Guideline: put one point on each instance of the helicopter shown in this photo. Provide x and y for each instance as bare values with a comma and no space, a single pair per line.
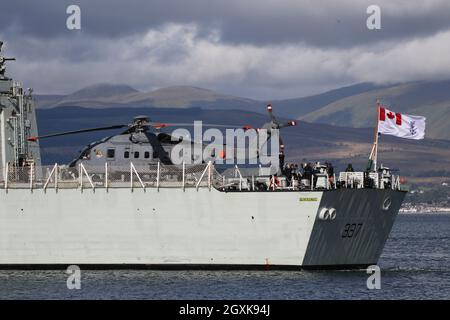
143,143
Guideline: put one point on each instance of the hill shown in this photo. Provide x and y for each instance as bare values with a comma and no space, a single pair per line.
91,96
427,98
351,106
299,107
122,96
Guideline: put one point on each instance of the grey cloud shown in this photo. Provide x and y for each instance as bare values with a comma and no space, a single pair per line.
255,48
326,23
176,54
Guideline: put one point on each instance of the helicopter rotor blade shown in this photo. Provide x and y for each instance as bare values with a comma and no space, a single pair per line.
288,124
281,145
33,139
157,125
248,127
158,148
271,115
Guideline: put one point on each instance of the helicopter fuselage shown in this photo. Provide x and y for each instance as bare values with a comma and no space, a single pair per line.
141,148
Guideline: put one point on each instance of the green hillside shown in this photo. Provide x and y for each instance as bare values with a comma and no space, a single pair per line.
430,99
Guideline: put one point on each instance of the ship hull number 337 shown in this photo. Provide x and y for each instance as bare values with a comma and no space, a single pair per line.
351,230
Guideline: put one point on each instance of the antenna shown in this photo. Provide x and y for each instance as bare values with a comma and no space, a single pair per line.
2,62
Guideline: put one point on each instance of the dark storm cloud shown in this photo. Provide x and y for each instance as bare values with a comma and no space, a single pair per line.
257,48
324,23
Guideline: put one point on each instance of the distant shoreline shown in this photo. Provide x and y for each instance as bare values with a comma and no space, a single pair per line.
425,211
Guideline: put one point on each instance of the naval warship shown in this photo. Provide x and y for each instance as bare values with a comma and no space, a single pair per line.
161,215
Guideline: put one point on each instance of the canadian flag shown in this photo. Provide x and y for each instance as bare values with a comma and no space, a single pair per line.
401,125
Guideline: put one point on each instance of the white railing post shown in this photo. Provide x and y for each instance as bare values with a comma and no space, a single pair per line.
133,169
6,175
237,171
184,173
80,177
312,182
157,176
31,176
201,177
209,175
83,171
50,177
56,177
106,176
131,176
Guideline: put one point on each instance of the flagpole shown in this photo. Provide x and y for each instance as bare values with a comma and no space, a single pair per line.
376,137
374,152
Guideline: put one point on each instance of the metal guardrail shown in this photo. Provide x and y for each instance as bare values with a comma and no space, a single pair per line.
85,177
183,176
380,181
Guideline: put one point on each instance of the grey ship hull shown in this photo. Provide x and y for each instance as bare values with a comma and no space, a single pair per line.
171,228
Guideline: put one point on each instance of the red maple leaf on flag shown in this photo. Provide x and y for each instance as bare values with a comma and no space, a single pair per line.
391,115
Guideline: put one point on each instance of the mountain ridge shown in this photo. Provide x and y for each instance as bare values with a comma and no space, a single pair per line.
351,106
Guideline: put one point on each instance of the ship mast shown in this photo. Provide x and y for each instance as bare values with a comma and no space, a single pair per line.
374,153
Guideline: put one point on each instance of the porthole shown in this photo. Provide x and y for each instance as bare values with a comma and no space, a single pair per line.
332,213
387,204
324,214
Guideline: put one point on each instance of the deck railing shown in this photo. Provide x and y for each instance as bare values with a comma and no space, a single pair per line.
108,176
177,176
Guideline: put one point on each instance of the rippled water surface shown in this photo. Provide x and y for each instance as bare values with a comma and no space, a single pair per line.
415,265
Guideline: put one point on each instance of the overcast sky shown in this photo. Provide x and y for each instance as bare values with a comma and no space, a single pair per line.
255,48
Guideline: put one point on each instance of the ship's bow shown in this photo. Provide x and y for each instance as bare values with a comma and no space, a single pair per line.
351,227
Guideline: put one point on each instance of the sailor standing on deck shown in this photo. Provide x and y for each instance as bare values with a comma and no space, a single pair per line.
307,171
330,172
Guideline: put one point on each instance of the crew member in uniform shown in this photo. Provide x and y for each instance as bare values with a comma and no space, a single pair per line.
349,168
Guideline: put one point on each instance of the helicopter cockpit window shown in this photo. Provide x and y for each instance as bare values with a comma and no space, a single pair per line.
167,138
136,154
146,154
110,153
126,154
86,155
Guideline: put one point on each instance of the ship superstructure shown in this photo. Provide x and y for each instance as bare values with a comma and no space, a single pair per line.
17,121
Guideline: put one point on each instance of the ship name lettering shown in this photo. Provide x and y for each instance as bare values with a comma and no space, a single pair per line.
307,199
